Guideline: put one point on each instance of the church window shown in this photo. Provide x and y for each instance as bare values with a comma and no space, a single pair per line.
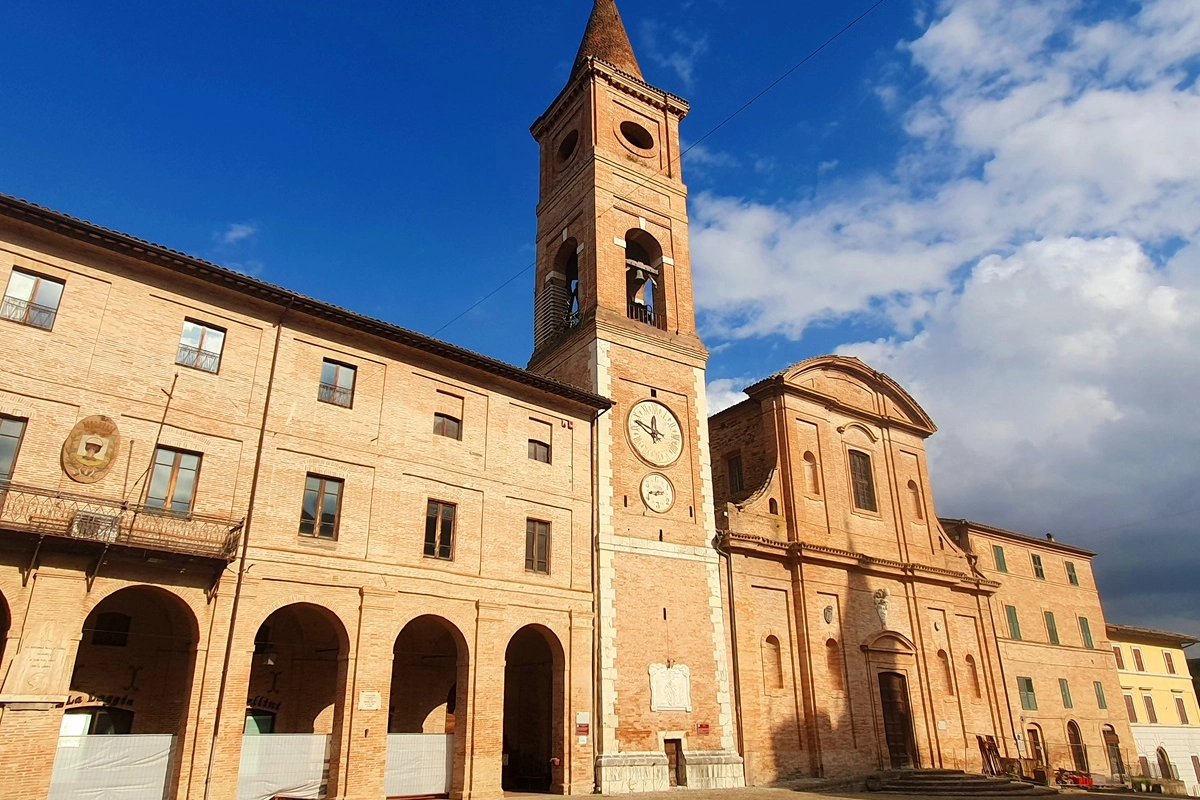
833,661
812,481
31,299
566,147
112,630
737,481
973,671
773,506
637,136
772,663
322,508
914,496
537,546
200,346
337,383
439,530
862,481
947,672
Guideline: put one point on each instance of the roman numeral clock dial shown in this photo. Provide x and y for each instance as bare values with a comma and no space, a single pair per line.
654,433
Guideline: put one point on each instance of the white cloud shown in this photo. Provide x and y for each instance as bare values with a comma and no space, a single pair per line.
1010,251
674,49
725,392
236,233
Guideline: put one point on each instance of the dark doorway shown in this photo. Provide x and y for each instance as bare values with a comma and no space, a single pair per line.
1036,751
897,720
1112,746
676,771
1078,751
529,713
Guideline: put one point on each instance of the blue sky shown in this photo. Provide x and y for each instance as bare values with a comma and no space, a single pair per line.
994,201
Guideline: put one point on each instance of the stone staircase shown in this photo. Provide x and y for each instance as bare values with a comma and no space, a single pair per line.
951,782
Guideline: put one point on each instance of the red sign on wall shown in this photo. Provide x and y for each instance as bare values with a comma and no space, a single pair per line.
583,729
702,728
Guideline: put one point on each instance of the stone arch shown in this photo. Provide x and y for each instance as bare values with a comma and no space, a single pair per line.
5,625
427,702
1165,767
889,642
534,711
566,265
1078,748
645,292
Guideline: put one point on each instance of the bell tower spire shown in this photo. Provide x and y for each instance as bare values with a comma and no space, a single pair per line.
606,39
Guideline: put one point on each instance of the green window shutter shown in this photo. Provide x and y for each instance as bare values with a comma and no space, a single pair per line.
1014,627
1065,688
1072,575
1085,630
998,554
1028,698
1051,628
1100,701
1038,570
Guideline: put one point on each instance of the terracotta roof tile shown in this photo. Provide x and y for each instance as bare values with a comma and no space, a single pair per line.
606,39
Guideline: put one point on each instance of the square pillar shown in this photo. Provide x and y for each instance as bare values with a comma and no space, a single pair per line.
366,726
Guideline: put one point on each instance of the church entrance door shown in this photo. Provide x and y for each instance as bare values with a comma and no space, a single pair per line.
897,720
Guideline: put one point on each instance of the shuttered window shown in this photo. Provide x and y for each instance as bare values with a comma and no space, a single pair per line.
863,481
1014,625
537,546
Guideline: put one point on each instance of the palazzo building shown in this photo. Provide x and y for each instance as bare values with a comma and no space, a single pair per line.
255,545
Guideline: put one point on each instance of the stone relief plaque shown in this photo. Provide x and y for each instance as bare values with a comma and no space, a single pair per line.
41,667
881,606
670,687
91,449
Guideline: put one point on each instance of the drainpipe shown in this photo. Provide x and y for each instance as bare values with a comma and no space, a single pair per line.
246,528
737,672
597,684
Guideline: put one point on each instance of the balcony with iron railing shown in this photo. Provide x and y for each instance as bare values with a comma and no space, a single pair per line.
641,313
28,313
328,393
198,359
48,513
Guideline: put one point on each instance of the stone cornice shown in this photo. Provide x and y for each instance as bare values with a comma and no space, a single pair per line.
819,554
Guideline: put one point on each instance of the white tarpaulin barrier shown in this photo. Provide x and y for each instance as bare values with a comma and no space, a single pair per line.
418,764
289,764
118,767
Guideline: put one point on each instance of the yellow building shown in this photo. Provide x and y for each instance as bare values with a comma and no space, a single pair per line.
1160,700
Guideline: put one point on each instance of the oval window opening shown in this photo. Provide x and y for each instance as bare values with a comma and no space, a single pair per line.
567,148
637,136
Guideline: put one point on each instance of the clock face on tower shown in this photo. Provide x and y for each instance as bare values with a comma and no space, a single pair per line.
655,433
657,493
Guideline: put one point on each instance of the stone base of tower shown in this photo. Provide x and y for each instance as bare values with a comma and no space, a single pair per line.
630,773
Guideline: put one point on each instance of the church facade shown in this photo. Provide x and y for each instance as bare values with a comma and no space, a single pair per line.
255,545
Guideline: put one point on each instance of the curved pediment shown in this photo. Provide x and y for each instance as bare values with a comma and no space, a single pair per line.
850,383
892,642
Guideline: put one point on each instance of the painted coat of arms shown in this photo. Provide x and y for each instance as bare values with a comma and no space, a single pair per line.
91,449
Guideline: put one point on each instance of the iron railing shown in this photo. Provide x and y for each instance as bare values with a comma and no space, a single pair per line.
328,393
75,516
646,314
27,313
199,359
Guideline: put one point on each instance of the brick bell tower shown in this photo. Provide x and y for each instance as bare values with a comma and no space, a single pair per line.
613,313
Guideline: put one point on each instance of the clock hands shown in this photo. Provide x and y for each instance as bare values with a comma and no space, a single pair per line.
651,429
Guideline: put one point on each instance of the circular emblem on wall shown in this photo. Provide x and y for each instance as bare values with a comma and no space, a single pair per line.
655,433
91,449
657,493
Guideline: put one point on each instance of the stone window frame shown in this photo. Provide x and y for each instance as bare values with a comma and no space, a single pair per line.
316,524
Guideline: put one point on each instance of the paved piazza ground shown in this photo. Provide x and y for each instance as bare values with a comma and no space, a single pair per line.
792,794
